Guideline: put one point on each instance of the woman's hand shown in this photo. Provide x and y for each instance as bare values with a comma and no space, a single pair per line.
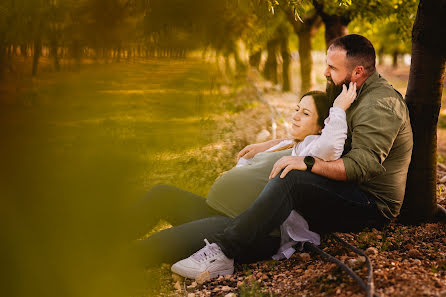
346,98
288,163
253,149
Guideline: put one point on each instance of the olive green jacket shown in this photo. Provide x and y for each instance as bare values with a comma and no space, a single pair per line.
379,143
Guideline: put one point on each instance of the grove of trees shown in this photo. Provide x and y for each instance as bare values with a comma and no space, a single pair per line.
125,29
118,30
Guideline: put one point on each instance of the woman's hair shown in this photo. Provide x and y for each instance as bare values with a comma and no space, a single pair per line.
322,103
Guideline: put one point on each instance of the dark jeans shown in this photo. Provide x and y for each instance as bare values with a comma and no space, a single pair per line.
327,205
168,203
193,221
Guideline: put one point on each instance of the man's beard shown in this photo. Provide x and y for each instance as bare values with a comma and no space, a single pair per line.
334,90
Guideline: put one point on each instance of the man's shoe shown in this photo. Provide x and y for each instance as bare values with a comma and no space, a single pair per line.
210,258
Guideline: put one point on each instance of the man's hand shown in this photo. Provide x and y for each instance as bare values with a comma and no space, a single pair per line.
333,170
253,149
346,98
288,163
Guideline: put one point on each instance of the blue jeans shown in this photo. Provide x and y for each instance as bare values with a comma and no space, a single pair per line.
327,205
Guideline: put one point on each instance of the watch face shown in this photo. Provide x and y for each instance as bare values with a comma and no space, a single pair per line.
309,161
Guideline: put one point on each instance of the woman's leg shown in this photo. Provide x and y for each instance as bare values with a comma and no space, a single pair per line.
168,203
173,244
176,243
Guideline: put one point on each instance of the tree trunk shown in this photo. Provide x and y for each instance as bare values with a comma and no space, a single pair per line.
395,59
423,98
270,69
2,59
305,32
381,56
76,51
286,61
118,54
239,65
129,54
23,50
306,61
254,59
37,53
228,67
335,26
53,52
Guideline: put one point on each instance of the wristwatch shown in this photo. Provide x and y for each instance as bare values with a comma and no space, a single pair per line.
309,161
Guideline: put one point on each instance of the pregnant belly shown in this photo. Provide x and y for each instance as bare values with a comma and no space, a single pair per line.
238,188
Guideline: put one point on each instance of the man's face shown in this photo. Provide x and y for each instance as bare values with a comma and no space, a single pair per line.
337,71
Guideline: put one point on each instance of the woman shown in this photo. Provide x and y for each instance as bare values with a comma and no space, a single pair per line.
195,218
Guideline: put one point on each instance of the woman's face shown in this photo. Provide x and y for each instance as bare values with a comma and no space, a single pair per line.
304,121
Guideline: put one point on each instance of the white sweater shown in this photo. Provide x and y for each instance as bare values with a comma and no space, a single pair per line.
327,146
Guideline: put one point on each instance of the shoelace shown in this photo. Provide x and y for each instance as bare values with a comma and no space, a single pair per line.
208,251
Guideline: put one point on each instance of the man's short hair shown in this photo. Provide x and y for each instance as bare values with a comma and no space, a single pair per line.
360,51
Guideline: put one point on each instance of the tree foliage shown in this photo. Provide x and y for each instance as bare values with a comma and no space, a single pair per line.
114,28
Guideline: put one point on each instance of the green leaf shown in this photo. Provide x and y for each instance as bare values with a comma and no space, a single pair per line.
345,3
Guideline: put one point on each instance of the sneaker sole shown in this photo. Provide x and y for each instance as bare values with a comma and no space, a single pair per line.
214,274
222,272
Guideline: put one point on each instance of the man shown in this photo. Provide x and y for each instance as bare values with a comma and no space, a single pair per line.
365,188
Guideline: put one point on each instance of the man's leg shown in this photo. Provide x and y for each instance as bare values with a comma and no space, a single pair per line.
326,204
176,243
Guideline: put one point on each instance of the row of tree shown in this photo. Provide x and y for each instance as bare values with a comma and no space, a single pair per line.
113,29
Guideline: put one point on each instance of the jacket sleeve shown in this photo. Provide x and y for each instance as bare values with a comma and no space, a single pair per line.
374,130
330,144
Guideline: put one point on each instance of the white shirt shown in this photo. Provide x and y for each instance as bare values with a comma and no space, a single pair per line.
327,146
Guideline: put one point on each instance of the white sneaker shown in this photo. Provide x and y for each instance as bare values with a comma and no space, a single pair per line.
210,258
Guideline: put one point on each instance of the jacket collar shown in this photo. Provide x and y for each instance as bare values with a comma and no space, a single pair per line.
369,81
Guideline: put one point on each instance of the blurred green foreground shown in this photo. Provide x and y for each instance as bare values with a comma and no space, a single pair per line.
77,148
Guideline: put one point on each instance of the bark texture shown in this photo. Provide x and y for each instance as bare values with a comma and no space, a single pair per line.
286,61
254,59
37,53
305,31
239,65
381,56
395,56
306,61
53,53
423,98
335,25
270,69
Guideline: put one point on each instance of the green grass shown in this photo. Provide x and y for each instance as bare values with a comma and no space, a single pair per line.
79,147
